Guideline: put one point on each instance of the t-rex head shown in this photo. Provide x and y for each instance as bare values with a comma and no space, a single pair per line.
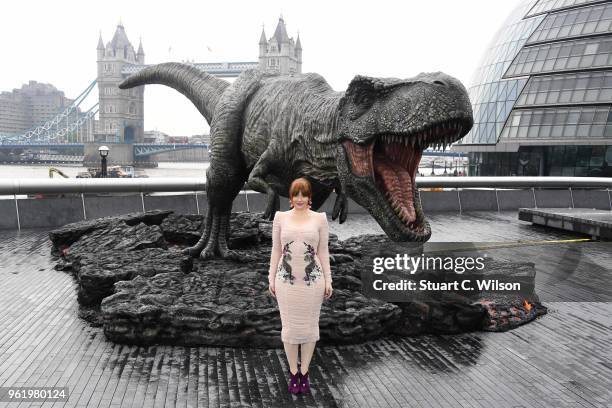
384,125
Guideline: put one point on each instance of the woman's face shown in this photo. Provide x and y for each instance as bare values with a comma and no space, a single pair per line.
300,201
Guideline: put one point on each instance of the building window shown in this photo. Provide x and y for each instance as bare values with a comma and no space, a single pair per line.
551,5
583,122
132,108
111,126
560,56
579,88
576,22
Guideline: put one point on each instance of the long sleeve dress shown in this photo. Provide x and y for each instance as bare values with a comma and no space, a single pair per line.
299,267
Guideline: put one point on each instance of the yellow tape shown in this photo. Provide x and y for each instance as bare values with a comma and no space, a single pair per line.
517,244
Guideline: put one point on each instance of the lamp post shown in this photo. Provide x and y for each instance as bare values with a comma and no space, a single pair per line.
103,153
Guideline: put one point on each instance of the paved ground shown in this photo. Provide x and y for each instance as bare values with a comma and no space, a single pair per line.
560,360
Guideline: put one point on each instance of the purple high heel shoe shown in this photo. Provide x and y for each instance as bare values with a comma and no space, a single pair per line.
304,383
294,382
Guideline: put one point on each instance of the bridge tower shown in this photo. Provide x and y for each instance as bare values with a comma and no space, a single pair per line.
280,53
121,114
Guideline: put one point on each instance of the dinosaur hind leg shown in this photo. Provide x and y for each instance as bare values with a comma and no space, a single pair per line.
226,174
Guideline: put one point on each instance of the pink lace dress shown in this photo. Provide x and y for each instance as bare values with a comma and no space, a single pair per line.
299,266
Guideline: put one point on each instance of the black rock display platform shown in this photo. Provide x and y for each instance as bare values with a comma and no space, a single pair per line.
134,281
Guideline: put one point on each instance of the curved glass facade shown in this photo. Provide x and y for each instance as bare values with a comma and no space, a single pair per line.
543,89
493,98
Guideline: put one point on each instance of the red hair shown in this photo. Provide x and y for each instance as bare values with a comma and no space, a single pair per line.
300,184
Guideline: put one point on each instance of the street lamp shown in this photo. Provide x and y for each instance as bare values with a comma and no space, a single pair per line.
103,153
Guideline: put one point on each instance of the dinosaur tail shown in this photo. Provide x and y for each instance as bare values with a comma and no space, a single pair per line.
202,89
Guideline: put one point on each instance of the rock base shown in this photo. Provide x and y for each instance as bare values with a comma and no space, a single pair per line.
135,282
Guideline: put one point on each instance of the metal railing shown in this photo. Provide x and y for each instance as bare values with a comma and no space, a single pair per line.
101,185
191,184
84,186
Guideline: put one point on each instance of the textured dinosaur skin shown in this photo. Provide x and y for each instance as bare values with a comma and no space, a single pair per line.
365,143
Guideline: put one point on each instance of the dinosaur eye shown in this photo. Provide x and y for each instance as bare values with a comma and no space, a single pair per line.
364,99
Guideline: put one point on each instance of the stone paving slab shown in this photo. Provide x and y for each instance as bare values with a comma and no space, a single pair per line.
588,221
561,360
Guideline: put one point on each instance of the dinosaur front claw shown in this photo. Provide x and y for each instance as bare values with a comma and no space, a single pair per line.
340,208
273,205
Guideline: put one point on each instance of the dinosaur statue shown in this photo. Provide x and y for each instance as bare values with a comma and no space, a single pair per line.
365,143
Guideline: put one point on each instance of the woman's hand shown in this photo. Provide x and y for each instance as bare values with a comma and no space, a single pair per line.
328,290
272,289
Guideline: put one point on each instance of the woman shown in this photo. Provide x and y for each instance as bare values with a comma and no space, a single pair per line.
300,278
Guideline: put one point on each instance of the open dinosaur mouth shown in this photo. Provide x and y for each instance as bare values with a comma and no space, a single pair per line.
392,161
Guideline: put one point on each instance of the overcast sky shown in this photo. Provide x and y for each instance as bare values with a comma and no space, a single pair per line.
55,41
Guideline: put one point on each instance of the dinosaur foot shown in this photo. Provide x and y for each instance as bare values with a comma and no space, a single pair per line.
237,256
213,242
207,253
193,251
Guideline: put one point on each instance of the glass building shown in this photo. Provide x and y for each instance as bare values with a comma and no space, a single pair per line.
542,95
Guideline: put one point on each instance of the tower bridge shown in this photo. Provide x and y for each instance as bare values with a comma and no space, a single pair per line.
219,69
121,112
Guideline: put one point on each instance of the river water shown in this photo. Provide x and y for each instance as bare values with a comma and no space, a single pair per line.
165,169
169,169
